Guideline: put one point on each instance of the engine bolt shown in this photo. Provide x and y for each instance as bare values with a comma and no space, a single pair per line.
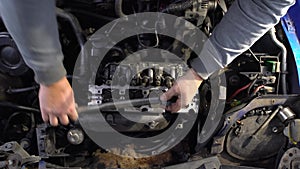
152,124
75,136
275,130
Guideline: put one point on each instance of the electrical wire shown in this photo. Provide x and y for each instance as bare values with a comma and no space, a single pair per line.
252,84
156,36
239,91
255,57
257,89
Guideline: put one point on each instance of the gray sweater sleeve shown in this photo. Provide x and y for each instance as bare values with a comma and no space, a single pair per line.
33,26
244,23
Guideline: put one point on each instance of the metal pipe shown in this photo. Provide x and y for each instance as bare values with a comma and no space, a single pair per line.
283,59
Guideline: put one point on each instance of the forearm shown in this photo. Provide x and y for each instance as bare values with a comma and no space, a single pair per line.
33,26
245,22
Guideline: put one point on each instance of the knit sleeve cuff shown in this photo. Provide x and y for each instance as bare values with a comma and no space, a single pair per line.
50,76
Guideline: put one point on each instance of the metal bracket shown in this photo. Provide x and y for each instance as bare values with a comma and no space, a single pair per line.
18,157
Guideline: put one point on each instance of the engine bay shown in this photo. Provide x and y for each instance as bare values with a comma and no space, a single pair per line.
244,116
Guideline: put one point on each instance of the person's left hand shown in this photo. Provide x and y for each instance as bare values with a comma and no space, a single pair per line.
184,88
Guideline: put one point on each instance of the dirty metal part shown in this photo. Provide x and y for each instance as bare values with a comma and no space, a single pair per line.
46,141
207,163
292,131
42,137
263,145
218,145
290,159
237,113
75,136
18,151
265,123
262,101
14,161
286,114
14,147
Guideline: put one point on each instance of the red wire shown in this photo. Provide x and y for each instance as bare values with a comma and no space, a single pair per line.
239,91
257,89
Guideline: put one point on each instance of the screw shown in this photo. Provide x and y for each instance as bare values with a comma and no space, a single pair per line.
275,130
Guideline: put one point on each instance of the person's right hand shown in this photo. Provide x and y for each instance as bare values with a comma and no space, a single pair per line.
184,88
57,102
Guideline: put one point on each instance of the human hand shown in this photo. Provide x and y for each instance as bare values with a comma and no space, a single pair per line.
184,88
57,102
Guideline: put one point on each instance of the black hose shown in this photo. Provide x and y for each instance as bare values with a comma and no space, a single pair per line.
4,131
283,59
74,23
118,8
80,38
94,15
18,107
179,7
